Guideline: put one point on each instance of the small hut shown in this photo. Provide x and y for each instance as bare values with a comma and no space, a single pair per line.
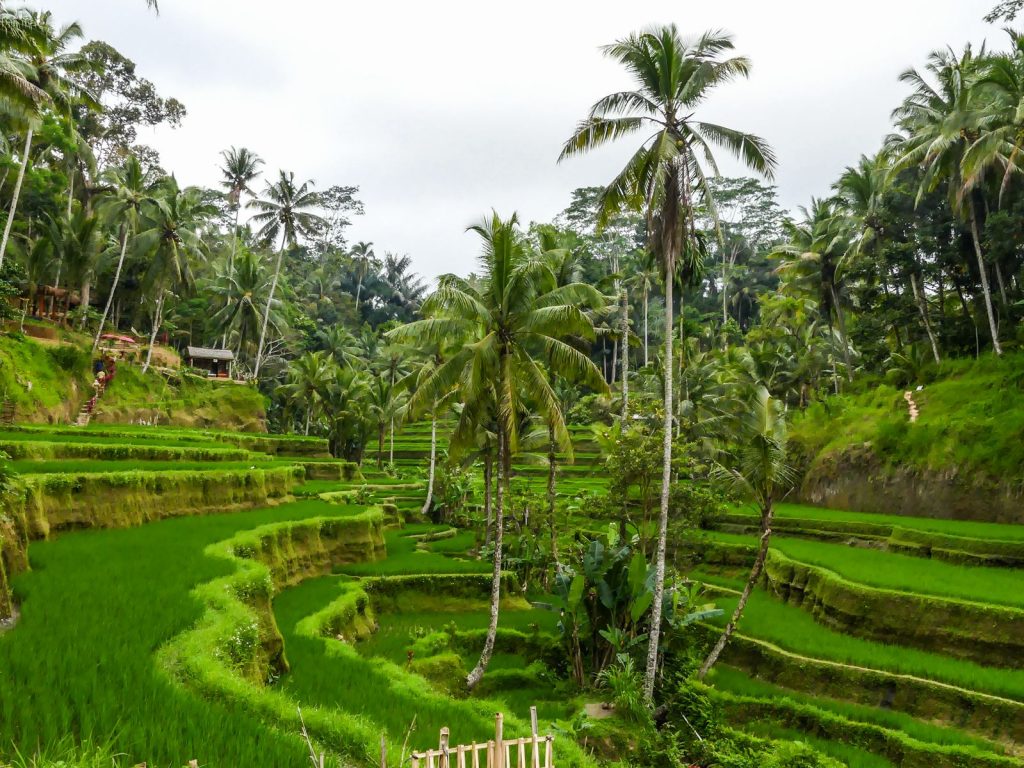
216,362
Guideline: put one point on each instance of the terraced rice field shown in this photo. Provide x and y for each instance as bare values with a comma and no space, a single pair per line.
107,617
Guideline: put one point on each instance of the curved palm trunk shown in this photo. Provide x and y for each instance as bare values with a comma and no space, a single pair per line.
113,288
996,346
625,354
15,196
755,574
477,674
157,318
433,461
666,479
266,312
922,307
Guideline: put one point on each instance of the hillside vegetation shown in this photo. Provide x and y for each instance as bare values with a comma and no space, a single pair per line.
962,457
48,380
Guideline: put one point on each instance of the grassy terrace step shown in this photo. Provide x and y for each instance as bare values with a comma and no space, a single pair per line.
39,450
284,445
93,611
734,681
885,570
783,644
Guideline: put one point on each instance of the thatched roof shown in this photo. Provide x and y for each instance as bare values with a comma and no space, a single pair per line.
206,353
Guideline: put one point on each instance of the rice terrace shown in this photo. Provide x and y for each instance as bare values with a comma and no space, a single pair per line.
595,406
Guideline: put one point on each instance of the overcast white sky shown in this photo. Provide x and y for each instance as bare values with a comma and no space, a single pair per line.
440,111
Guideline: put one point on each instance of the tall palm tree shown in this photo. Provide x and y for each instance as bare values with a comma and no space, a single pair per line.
285,211
817,255
243,292
49,67
126,190
363,258
759,471
169,241
308,378
19,35
665,175
941,121
241,168
513,324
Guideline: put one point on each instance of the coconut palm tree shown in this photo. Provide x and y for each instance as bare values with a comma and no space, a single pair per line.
308,379
243,292
169,241
241,168
49,67
513,324
284,211
363,259
126,190
19,35
941,121
667,176
759,471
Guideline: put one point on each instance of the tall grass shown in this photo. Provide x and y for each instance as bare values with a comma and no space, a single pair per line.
94,610
405,557
850,755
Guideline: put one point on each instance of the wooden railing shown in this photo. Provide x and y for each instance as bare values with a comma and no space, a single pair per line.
499,752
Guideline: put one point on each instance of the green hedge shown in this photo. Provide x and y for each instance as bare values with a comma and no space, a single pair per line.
894,745
987,634
993,717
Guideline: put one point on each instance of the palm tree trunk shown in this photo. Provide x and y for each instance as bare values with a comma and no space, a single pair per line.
984,280
391,440
15,196
477,674
113,288
840,318
552,466
646,359
433,459
666,479
380,445
84,306
156,326
1002,285
615,361
231,263
755,574
266,312
625,354
359,290
922,307
487,499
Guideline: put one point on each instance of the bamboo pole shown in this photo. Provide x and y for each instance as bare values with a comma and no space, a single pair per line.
442,748
499,739
533,734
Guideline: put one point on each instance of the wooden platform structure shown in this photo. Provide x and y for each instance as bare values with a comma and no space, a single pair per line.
534,751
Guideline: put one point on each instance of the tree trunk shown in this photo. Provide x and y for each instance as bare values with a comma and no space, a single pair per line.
842,332
625,354
231,261
15,196
552,464
477,674
666,479
156,326
433,459
1002,285
113,288
984,281
266,312
380,445
391,441
922,307
487,499
755,574
646,359
84,306
615,361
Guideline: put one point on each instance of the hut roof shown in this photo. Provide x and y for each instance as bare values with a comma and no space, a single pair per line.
207,353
